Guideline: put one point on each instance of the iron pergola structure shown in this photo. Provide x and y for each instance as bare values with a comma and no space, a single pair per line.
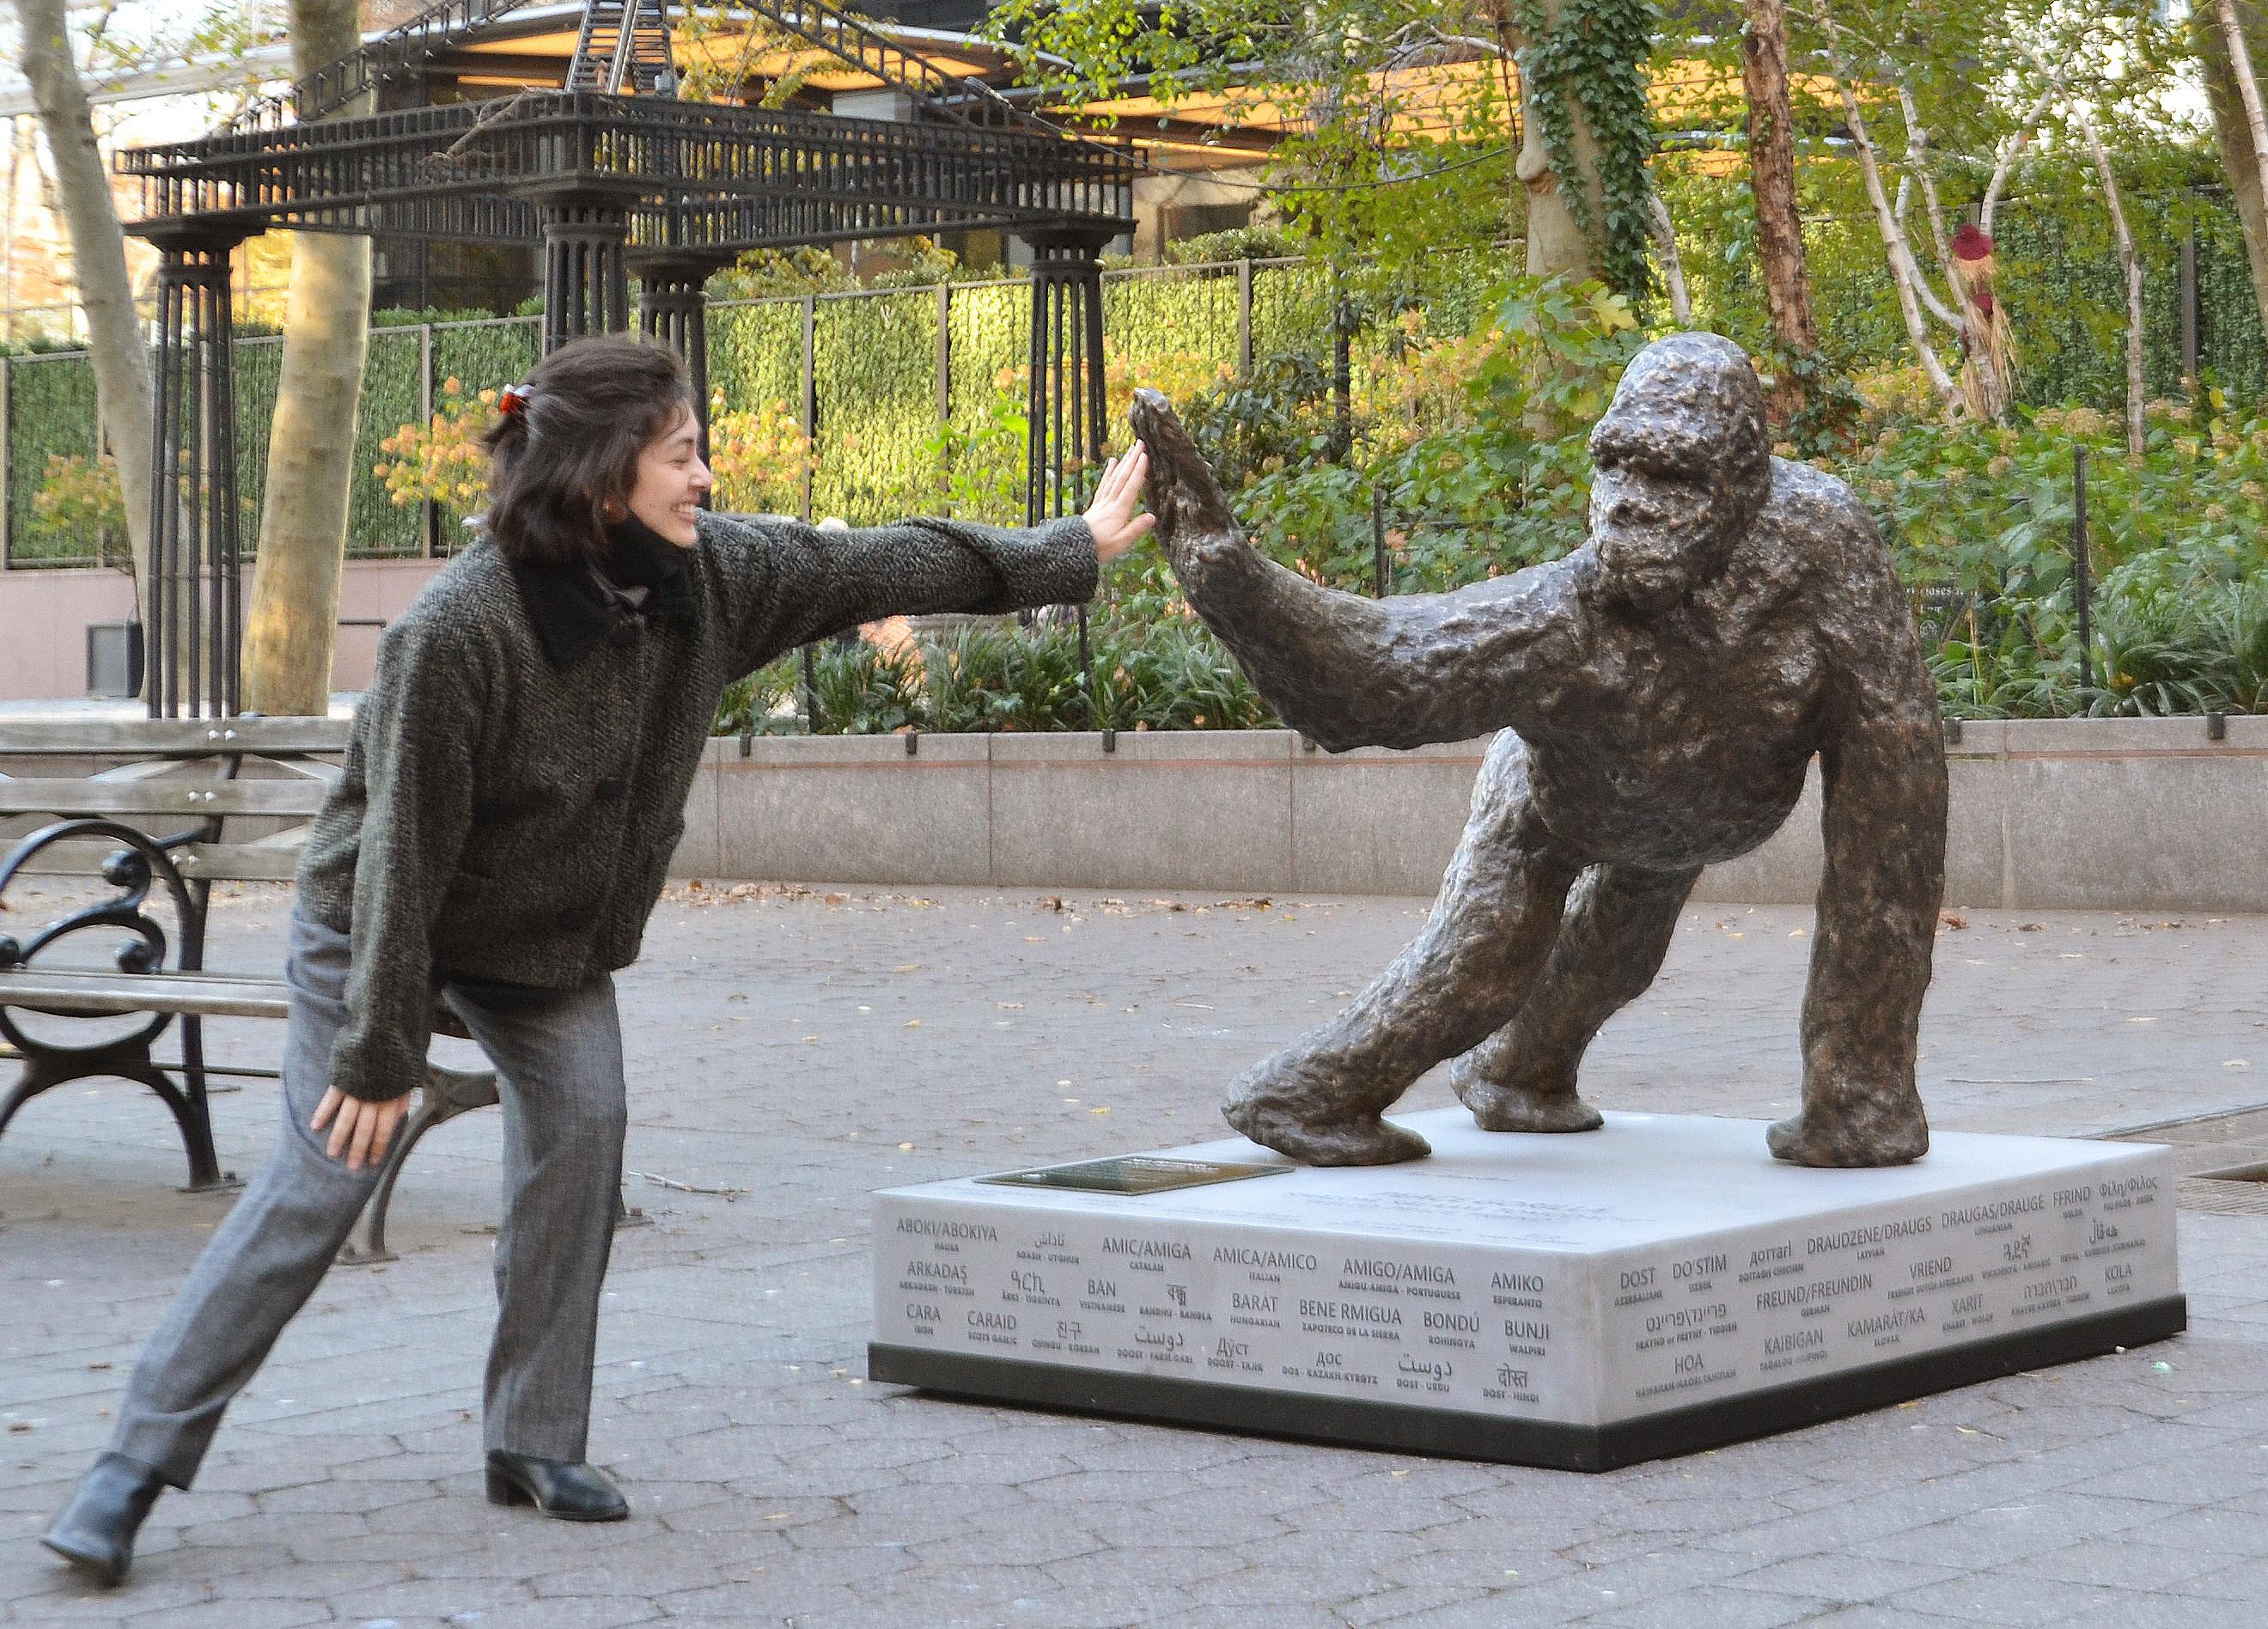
612,175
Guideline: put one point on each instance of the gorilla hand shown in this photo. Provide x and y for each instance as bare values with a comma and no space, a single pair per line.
1194,521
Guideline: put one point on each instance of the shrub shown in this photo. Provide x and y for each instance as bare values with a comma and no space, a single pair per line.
442,460
751,705
1984,515
860,688
760,457
988,676
81,495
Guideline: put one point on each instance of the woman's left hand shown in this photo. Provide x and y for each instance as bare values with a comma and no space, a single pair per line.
360,1129
1111,516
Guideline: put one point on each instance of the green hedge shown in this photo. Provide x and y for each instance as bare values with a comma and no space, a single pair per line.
990,337
996,676
875,365
50,411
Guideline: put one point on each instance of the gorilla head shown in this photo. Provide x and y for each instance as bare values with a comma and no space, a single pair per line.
1683,469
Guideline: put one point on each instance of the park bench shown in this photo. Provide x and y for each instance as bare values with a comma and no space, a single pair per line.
158,811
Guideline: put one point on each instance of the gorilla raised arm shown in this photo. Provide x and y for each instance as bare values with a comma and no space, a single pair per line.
1348,671
1660,691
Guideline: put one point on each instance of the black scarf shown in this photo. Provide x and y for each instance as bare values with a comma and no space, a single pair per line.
574,607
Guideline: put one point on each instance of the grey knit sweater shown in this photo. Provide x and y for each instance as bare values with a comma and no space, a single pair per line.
509,807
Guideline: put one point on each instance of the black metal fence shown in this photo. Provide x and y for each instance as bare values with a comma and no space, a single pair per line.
879,373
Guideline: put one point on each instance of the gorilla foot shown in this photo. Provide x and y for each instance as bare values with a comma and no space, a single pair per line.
1360,1139
1495,1109
1497,1106
1850,1141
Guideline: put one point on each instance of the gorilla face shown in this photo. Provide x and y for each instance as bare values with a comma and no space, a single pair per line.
1682,468
1659,529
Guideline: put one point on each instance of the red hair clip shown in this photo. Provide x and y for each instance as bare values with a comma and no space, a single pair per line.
511,401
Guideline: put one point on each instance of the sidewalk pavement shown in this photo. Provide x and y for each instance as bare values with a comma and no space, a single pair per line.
793,1049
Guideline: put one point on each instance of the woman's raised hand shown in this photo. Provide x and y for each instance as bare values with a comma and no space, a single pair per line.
1111,516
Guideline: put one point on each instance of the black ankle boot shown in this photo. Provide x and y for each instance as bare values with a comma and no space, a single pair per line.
558,1487
95,1531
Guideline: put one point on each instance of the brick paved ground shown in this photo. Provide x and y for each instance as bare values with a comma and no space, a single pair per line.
800,1052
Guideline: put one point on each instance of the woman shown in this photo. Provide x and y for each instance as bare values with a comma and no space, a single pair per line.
512,797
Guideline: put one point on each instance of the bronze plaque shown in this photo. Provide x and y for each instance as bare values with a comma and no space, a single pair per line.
1134,1173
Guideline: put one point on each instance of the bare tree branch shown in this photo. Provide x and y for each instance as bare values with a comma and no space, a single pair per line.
1672,265
2012,148
1905,275
1992,390
2083,122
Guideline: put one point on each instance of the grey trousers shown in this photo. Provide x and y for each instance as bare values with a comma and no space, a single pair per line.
558,1057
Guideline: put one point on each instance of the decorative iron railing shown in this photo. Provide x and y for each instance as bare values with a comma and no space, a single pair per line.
622,46
970,102
613,55
403,47
719,176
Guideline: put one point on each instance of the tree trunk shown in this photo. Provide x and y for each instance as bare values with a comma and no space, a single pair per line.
1772,176
16,130
1556,243
2241,158
123,388
292,626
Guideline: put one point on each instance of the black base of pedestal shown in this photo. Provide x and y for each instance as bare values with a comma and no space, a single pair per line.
1409,1429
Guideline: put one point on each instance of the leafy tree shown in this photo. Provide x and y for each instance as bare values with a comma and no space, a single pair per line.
1393,112
1951,107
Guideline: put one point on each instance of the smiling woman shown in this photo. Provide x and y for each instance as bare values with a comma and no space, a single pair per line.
572,446
671,483
513,791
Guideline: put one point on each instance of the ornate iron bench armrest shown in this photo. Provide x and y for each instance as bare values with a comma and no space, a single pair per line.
139,862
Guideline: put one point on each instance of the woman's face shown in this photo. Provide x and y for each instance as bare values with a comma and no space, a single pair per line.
671,481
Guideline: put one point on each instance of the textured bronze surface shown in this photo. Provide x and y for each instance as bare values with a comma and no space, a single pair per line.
1659,693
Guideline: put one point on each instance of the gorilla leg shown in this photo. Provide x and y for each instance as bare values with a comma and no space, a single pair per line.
1492,925
1884,824
1618,927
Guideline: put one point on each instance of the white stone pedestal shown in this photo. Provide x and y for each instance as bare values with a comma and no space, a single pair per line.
1583,1300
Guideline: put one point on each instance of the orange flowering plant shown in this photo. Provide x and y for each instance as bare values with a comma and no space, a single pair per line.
442,460
760,456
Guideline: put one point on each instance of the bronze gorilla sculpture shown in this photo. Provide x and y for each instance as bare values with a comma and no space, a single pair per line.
1657,694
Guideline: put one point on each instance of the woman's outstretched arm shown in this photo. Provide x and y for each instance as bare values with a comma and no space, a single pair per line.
797,584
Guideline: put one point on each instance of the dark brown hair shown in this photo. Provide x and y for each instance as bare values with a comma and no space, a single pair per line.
571,447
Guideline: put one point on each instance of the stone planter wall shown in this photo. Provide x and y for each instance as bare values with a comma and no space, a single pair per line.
2142,815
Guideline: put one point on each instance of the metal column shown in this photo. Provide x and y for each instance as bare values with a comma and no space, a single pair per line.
196,636
1066,397
585,280
674,308
1066,393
